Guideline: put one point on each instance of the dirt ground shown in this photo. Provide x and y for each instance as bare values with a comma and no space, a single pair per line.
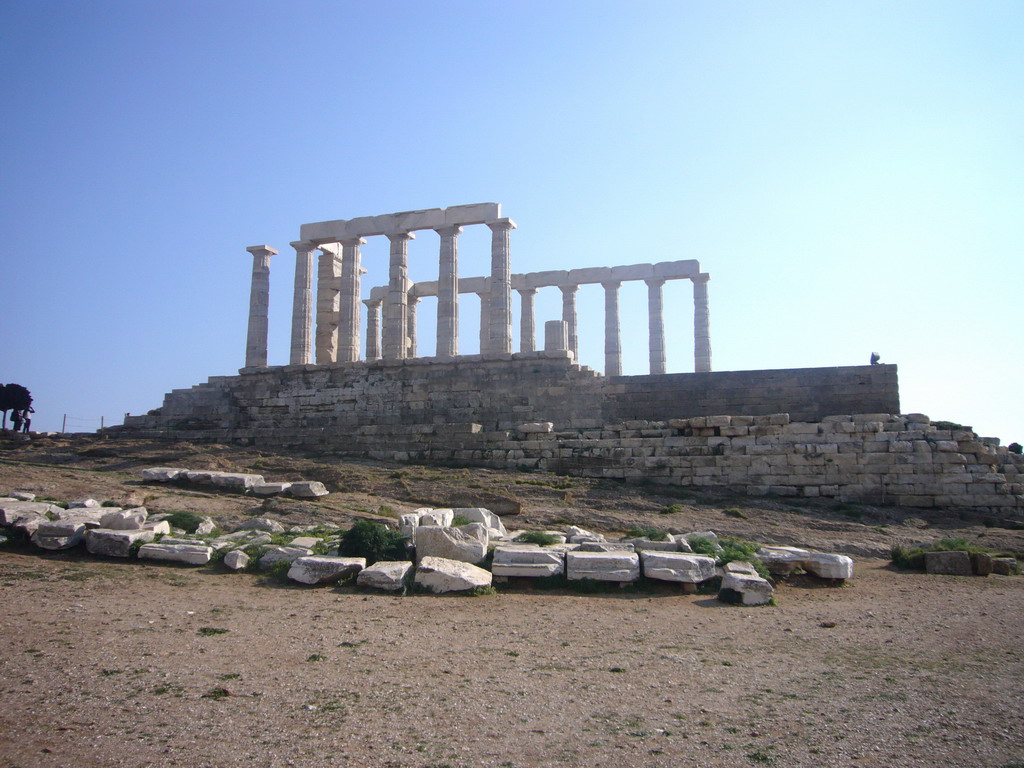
111,663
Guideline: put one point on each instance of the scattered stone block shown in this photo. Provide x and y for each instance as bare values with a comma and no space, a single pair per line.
125,520
59,534
23,496
981,563
1004,566
282,555
529,562
741,567
782,561
307,490
114,542
84,504
190,554
439,517
270,489
305,541
677,566
605,546
495,528
235,481
745,590
948,563
467,543
440,574
11,511
828,566
162,474
391,575
261,524
577,535
602,566
236,560
321,569
161,526
643,543
536,427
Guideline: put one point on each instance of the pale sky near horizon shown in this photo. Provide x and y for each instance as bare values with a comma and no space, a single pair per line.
850,174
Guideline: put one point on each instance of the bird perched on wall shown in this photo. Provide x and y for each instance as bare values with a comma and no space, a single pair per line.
875,358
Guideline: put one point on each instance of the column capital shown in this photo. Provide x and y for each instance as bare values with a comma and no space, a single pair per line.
703,277
331,248
393,236
371,303
568,288
526,291
353,242
501,224
261,250
608,284
655,282
453,231
303,246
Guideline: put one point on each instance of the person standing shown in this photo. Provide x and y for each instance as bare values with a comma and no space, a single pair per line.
16,419
27,419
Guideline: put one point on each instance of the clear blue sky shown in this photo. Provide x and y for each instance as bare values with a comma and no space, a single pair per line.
849,173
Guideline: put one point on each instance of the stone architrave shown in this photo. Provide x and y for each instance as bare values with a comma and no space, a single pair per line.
396,308
612,342
348,300
448,293
527,321
259,307
327,295
569,318
500,304
531,563
656,325
372,329
302,304
701,324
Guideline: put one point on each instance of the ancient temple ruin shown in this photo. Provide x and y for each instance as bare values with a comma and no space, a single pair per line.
809,432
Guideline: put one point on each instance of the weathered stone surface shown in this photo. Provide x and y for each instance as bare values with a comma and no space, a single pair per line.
495,528
270,489
161,526
162,474
84,504
605,546
236,560
321,569
577,535
677,566
981,563
125,520
828,566
11,511
948,563
23,496
408,523
467,543
307,490
440,574
282,555
59,534
261,524
206,525
305,541
642,543
438,517
530,562
752,590
781,561
1004,566
535,427
190,554
391,575
114,542
235,481
602,566
741,567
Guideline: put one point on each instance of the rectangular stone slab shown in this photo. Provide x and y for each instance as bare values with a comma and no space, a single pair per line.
602,566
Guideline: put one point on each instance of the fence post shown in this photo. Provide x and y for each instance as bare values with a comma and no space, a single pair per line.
64,425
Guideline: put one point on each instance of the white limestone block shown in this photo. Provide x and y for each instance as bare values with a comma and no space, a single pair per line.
261,524
161,526
643,543
270,489
162,474
495,528
467,543
781,560
84,504
606,546
741,567
322,569
408,523
235,481
441,517
577,535
125,520
753,590
602,566
11,510
536,427
282,555
305,541
828,566
391,575
236,560
190,554
530,562
677,566
307,490
114,542
681,542
440,574
23,496
59,534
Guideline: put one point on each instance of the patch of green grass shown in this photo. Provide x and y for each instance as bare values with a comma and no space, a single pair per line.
110,672
702,545
537,537
460,520
229,676
217,694
671,509
735,512
211,631
912,558
187,521
316,657
480,591
653,534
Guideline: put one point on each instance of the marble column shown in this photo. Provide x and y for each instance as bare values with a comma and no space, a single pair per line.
485,330
448,293
501,287
328,272
348,304
527,323
396,309
569,317
701,324
302,304
612,342
259,305
372,328
556,337
656,325
410,325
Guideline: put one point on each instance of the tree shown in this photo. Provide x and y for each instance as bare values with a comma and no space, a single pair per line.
14,397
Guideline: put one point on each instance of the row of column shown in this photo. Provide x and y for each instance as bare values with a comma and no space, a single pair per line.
338,317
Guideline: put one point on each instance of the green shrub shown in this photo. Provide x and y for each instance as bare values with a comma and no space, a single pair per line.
187,521
460,520
372,541
653,534
537,537
912,558
735,512
702,545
